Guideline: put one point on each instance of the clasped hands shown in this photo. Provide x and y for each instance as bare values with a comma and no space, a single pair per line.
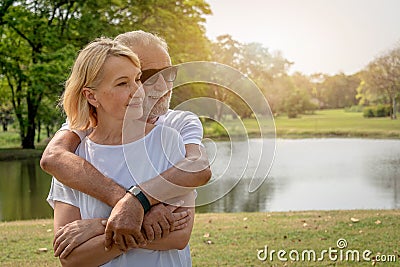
127,227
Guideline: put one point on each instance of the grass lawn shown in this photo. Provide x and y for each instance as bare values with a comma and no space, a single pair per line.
324,123
337,123
234,239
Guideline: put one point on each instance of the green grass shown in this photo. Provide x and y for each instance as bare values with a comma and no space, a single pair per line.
324,123
338,123
233,239
9,139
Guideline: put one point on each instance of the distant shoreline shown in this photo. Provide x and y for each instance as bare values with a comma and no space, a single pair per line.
332,123
10,154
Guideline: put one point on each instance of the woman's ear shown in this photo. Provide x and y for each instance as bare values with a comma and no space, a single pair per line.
90,96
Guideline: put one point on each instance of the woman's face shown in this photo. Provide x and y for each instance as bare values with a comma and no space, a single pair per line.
119,90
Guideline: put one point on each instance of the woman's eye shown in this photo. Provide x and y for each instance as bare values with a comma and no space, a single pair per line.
122,84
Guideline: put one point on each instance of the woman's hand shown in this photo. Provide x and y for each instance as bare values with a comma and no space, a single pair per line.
75,233
163,219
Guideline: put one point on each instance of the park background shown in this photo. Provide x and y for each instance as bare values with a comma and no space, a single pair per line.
313,112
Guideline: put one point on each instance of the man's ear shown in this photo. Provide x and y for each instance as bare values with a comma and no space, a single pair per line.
90,96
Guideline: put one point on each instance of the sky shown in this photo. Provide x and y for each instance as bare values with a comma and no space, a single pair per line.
328,36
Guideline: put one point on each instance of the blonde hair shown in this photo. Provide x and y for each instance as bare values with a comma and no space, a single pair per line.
86,73
141,38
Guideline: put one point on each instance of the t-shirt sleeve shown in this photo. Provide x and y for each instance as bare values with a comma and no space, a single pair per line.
81,134
173,142
62,193
192,130
186,123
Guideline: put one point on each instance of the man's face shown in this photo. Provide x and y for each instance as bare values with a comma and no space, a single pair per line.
158,94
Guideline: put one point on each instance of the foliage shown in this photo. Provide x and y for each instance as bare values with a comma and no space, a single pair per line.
354,108
40,38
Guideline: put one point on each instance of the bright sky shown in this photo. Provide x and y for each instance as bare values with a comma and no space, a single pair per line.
328,36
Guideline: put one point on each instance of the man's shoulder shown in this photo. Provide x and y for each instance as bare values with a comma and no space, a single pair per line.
173,115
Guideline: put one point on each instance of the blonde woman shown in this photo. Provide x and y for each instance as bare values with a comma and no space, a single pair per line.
104,93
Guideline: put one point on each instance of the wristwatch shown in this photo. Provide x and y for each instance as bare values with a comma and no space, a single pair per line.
137,192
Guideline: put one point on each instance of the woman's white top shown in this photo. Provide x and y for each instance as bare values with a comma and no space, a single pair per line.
128,165
185,122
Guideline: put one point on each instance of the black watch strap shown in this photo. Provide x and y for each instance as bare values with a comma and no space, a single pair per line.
137,192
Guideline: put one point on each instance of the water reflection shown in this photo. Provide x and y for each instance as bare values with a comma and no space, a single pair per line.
307,174
23,190
323,174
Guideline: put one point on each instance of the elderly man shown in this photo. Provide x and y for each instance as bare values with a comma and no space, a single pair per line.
130,206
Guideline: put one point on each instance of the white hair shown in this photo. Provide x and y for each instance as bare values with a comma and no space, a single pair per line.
141,38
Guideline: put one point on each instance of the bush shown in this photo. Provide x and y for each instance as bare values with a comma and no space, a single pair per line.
383,111
377,111
354,108
369,112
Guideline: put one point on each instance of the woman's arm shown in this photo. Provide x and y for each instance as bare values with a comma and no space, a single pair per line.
90,253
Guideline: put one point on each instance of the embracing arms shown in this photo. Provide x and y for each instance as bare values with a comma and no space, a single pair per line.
91,251
127,216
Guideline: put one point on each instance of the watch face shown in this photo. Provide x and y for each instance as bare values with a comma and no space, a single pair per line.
135,190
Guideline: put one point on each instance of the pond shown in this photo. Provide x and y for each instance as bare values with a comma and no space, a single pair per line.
307,174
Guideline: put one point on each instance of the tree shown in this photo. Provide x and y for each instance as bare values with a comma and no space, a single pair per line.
255,62
339,91
383,77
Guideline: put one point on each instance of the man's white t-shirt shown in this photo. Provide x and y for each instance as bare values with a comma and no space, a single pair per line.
185,122
128,164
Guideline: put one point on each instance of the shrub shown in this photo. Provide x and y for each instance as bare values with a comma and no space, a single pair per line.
354,108
369,112
382,111
377,111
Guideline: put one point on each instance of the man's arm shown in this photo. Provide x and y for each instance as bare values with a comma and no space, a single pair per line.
192,171
59,160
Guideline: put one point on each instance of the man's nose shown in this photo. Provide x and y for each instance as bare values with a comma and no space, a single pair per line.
160,84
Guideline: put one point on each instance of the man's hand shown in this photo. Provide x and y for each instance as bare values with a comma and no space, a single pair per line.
74,234
162,219
124,224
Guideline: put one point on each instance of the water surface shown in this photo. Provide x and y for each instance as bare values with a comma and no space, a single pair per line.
307,174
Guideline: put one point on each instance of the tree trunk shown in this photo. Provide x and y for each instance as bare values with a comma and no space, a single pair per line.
394,109
38,136
29,139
